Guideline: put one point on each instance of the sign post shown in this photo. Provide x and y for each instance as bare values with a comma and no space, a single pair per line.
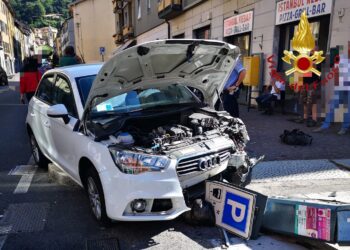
102,53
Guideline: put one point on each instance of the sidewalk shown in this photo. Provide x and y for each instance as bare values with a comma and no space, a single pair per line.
264,132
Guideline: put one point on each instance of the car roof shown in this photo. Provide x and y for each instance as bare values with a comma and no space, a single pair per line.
78,70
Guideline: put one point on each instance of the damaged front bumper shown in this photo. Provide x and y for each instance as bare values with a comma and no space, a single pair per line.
161,193
158,195
153,188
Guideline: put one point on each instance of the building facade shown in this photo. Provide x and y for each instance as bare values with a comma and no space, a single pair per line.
45,36
124,19
94,25
23,44
258,27
148,26
7,59
67,34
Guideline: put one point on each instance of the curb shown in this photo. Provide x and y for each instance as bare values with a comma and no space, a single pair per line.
57,175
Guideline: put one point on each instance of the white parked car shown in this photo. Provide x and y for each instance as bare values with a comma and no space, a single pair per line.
133,134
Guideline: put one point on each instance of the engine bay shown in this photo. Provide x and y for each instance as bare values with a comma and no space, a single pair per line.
159,134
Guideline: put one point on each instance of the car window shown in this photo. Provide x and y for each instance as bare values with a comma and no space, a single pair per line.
84,84
62,94
44,92
147,98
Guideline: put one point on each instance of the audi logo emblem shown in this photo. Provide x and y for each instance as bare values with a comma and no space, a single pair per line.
208,162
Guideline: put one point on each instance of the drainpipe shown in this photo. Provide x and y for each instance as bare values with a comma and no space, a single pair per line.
168,23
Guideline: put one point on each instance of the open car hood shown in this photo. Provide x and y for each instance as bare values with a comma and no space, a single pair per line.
201,64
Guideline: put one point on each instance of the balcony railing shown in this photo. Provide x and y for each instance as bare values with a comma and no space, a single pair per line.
168,9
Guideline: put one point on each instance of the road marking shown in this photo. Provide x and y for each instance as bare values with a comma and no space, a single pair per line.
2,241
23,169
5,229
24,184
2,90
27,172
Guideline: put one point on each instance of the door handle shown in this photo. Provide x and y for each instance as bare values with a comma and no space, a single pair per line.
47,124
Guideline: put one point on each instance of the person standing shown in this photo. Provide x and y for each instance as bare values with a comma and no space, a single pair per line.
29,78
308,97
341,96
231,89
69,57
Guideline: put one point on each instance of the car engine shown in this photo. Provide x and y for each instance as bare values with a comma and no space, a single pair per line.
173,133
185,129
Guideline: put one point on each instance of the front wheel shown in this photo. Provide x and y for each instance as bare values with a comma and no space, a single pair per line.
39,158
96,197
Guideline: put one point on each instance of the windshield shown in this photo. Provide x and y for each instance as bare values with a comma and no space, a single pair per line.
84,84
149,98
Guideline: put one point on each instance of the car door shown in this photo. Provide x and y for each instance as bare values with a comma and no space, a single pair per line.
62,134
39,105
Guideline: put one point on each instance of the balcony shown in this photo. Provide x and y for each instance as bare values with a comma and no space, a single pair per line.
118,38
128,31
168,9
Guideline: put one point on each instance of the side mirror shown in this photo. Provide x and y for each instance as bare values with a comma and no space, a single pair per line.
58,111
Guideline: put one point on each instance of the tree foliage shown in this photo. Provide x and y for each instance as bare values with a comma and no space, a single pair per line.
33,12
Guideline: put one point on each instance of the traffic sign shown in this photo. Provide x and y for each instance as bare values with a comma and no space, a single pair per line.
234,207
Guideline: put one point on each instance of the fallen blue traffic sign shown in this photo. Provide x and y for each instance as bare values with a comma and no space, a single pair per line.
236,208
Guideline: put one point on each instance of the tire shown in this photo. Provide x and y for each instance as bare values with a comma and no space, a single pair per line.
95,194
39,158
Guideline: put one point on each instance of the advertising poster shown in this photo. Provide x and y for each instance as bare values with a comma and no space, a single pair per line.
313,222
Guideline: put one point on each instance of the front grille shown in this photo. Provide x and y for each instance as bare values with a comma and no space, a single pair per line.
200,163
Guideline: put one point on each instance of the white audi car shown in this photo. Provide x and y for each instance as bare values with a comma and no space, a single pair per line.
133,134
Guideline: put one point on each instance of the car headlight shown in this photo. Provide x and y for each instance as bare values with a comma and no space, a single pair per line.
136,163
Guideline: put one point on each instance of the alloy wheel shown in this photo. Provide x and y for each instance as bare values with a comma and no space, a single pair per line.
35,149
94,196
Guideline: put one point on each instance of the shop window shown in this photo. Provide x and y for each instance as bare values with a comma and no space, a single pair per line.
202,33
242,41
